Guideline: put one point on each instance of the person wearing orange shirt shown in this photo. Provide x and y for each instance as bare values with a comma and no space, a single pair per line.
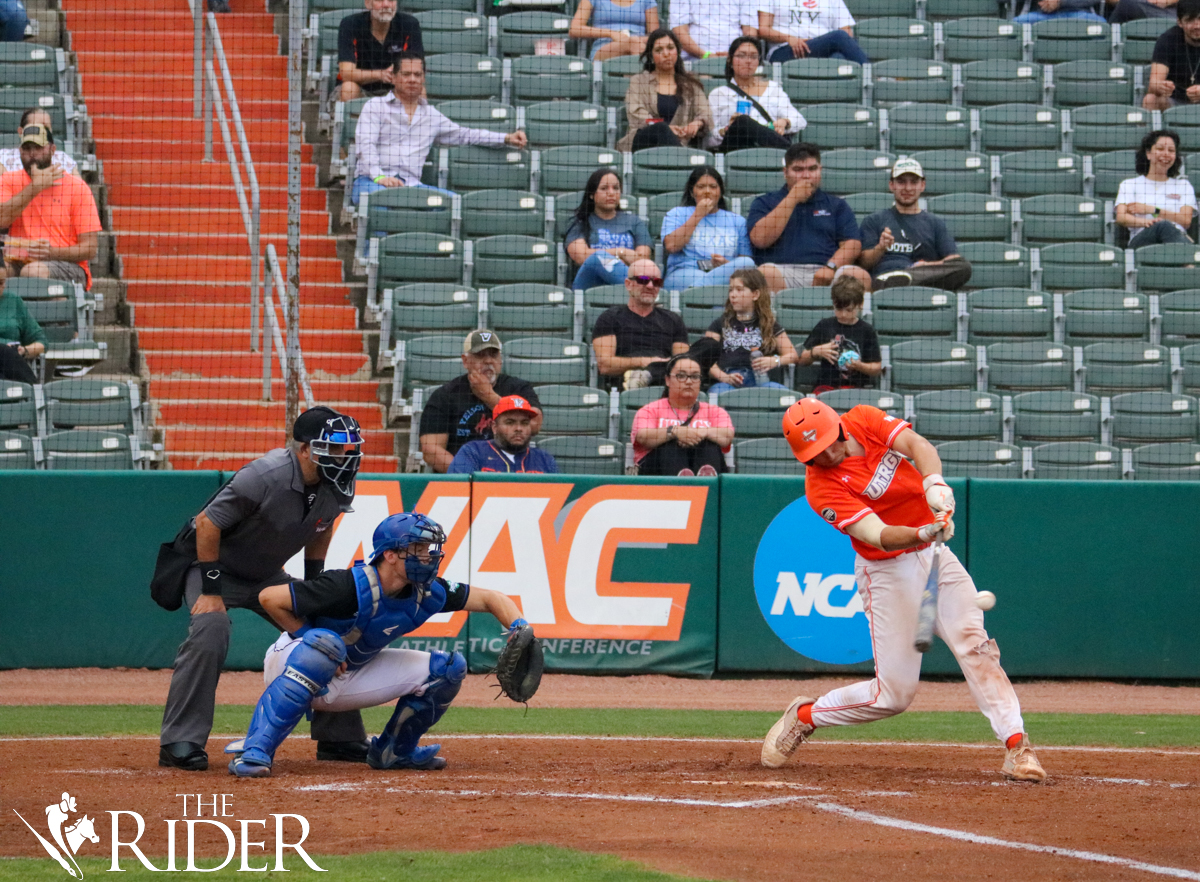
51,217
872,477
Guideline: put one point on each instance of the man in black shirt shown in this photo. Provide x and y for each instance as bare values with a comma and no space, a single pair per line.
368,42
629,339
461,410
1175,62
845,347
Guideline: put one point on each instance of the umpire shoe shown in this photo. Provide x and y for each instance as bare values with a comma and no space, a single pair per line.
1021,763
786,735
343,751
183,755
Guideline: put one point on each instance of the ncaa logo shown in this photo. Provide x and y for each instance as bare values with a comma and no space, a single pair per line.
804,584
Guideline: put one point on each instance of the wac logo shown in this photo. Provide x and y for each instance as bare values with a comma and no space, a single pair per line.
804,584
553,556
67,837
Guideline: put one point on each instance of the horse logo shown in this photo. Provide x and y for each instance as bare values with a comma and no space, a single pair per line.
68,838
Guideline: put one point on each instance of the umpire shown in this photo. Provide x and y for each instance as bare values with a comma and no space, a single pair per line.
273,507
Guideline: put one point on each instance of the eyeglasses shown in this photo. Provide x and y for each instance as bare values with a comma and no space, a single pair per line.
648,281
746,56
686,378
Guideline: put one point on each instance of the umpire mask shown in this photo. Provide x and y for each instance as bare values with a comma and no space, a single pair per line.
337,450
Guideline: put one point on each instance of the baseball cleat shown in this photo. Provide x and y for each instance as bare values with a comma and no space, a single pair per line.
243,768
1021,763
183,755
422,759
786,735
343,751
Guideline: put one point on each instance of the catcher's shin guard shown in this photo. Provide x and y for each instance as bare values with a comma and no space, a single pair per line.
310,668
397,747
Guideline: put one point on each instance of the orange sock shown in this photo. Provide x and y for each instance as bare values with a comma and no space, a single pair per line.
804,714
1014,740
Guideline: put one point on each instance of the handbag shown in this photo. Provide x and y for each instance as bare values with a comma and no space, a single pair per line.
175,558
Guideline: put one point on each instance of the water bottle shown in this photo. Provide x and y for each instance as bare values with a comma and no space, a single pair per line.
760,377
743,106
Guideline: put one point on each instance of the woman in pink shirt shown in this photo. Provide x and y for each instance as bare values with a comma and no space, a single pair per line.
678,434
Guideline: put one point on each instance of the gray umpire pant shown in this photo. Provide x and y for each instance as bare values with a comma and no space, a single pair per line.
192,698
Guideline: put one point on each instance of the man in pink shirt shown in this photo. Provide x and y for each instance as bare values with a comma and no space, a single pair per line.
679,434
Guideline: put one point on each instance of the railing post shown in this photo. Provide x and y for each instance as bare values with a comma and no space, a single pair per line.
268,321
197,55
209,99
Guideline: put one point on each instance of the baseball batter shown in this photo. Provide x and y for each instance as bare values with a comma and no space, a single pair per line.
860,479
333,654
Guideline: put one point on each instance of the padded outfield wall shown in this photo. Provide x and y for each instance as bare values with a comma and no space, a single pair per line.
731,575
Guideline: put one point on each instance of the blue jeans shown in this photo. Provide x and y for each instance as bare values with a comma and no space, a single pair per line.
1036,15
363,184
593,273
693,277
13,20
747,383
835,44
1159,233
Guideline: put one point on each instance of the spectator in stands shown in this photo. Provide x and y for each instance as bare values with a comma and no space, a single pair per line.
1158,205
766,117
1131,10
704,241
1175,62
396,131
508,450
636,340
460,411
904,245
616,27
1033,11
21,339
739,331
52,220
706,29
678,434
666,106
803,236
808,29
368,43
10,157
13,21
603,239
845,347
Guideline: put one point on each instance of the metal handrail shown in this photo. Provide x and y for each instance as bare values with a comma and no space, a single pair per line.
273,335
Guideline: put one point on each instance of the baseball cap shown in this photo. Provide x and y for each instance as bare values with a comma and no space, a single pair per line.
477,341
513,404
309,424
907,167
37,134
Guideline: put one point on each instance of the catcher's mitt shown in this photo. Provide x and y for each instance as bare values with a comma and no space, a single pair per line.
519,667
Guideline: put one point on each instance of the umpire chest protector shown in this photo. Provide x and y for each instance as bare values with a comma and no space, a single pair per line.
382,619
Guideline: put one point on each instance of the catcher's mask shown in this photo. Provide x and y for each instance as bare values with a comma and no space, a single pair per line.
336,443
400,531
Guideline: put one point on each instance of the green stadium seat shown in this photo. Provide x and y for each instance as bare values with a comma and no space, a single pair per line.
482,168
1040,172
1178,461
1145,417
67,325
997,264
614,78
457,75
757,413
1166,267
1185,121
1138,38
92,403
958,415
1093,316
415,6
520,31
561,123
923,365
657,208
1189,357
500,260
666,169
884,38
1006,80
91,449
842,400
1126,367
981,39
955,171
856,170
1110,169
322,6
34,66
861,9
908,313
1071,39
18,408
1009,315
1180,316
477,113
1055,416
406,257
597,300
701,306
551,77
901,80
427,361
403,210
16,451
799,309
496,212
1092,81
823,81
944,10
453,31
1099,128
913,127
1076,461
1022,127
566,169
980,459
573,410
64,115
427,307
585,455
1074,265
841,125
975,217
865,204
766,456
547,360
1062,218
1030,365
345,123
517,310
754,171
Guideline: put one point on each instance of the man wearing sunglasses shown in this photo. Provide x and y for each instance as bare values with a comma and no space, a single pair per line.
635,341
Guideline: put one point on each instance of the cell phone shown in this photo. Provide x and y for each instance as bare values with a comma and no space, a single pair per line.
705,266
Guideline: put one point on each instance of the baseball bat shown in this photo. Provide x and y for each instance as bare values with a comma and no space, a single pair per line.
929,601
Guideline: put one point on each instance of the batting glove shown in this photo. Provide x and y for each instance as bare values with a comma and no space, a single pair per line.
942,524
937,494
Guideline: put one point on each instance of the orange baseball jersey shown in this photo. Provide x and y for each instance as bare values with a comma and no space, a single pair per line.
882,481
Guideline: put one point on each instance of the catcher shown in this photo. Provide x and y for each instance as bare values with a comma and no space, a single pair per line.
333,653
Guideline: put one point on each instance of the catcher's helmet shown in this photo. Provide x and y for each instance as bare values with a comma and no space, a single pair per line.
322,427
402,530
810,426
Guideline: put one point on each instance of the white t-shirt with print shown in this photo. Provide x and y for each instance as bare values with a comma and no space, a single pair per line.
1172,194
806,18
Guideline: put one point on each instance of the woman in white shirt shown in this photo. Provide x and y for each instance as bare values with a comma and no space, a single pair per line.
1157,206
766,117
808,29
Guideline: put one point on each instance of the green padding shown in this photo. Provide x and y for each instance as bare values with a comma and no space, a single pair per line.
1093,579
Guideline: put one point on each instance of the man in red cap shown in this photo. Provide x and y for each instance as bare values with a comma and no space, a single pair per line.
860,479
508,450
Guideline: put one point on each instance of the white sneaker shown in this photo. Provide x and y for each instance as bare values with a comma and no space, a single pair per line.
1021,763
786,735
637,378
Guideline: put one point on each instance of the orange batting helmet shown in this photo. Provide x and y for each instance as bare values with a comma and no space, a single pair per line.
810,426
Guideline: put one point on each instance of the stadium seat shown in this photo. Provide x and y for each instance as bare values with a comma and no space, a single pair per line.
1095,315
496,212
18,408
666,169
500,260
1004,80
404,210
457,75
997,264
427,307
1091,81
67,324
997,315
482,168
955,171
1062,218
34,66
585,455
1166,267
1139,36
980,459
1073,265
944,10
1071,39
958,415
415,6
1076,461
16,451
1145,417
634,400
884,38
453,31
520,31
547,360
65,117
1186,122
566,169
841,125
597,300
91,449
701,306
614,78
428,361
1110,169
823,81
865,204
92,403
754,171
908,313
856,170
975,217
657,208
1180,316
561,123
517,310
1125,367
322,52
1177,461
766,456
861,9
757,413
1055,416
923,365
1040,172
551,77
913,127
902,80
1029,365
494,116
400,258
799,309
573,410
1189,357
842,400
1023,127
1099,128
345,123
